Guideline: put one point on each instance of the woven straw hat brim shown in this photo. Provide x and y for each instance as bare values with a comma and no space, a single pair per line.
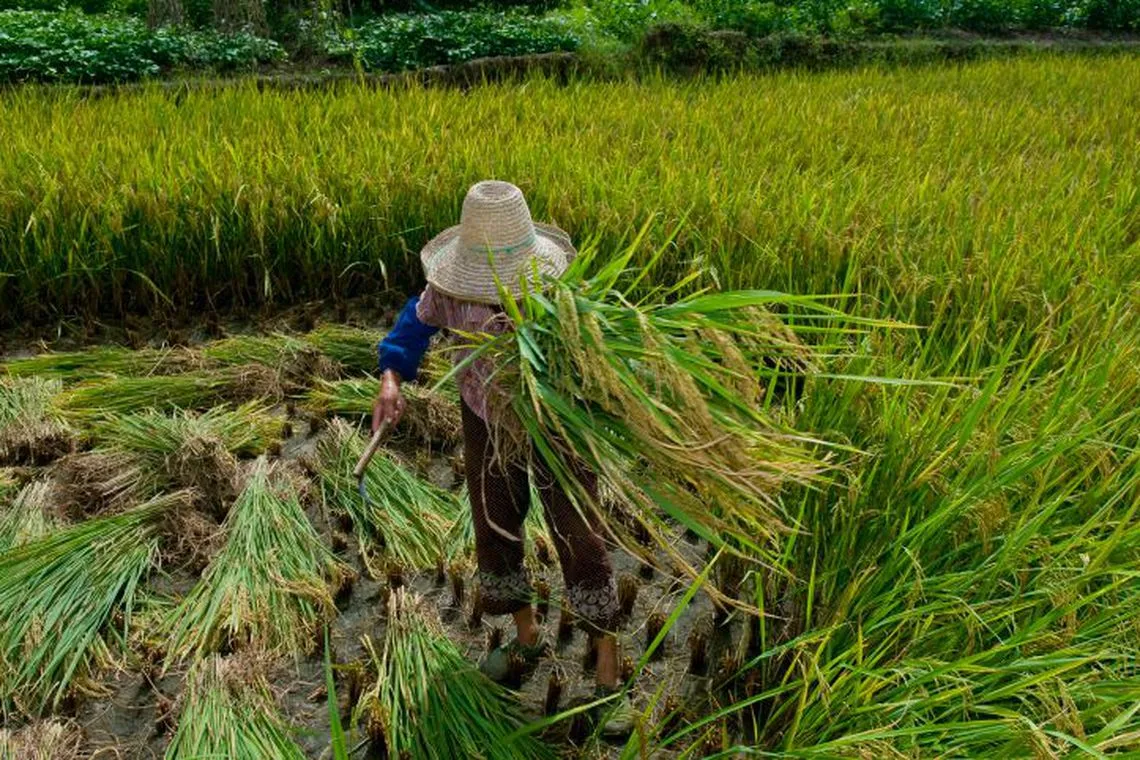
471,276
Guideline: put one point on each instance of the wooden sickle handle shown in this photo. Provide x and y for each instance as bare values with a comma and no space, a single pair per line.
369,452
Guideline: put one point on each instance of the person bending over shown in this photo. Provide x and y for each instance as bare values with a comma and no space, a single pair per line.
496,238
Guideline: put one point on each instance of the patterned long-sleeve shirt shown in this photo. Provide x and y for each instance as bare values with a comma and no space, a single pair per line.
403,348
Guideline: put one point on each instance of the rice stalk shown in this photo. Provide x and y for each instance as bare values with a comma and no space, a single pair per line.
9,483
354,348
405,519
431,416
62,594
31,429
32,515
102,399
295,361
270,350
429,701
78,366
663,398
141,453
270,587
103,481
243,431
228,711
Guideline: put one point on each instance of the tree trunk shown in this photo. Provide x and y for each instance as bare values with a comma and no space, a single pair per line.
240,16
164,13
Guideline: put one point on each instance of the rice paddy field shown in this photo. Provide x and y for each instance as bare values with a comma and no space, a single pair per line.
194,284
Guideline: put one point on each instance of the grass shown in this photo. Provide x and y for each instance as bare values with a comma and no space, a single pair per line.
228,711
66,599
429,701
270,588
404,520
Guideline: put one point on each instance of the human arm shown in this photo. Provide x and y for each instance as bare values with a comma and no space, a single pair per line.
400,354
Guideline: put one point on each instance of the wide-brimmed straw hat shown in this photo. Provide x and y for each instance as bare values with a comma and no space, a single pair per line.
495,237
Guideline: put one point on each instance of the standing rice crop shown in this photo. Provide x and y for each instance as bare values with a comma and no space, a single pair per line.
59,596
32,430
32,515
405,519
429,701
228,711
270,587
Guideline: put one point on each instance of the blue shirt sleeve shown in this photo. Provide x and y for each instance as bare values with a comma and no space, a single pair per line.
404,346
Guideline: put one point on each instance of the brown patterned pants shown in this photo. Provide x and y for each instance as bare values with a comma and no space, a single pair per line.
500,497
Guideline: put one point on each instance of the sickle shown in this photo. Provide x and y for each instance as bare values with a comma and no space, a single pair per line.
365,458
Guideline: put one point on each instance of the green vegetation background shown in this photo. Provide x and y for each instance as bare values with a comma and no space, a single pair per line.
121,40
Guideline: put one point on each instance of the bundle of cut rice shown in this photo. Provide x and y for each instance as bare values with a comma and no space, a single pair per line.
666,398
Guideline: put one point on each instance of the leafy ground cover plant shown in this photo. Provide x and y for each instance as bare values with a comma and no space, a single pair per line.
69,46
397,42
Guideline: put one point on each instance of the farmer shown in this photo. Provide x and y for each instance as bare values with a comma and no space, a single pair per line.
496,238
